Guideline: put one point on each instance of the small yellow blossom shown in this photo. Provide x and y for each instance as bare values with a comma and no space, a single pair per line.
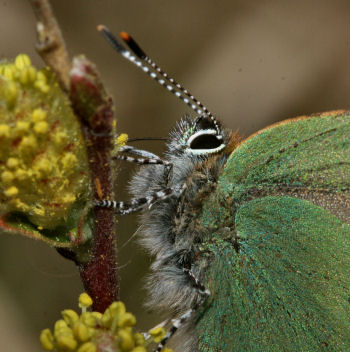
11,191
46,340
81,331
44,88
22,61
70,316
41,127
87,347
12,163
126,341
66,342
139,349
27,75
38,115
9,72
87,318
28,143
43,167
88,333
68,198
4,130
69,160
41,77
22,127
122,139
11,94
139,339
7,176
85,300
59,138
126,319
21,174
158,333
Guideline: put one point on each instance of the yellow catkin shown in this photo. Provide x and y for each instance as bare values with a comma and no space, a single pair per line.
37,132
86,333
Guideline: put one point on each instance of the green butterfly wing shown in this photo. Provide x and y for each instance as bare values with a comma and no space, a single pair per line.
279,242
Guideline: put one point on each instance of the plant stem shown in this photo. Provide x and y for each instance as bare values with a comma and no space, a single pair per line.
51,46
99,276
94,108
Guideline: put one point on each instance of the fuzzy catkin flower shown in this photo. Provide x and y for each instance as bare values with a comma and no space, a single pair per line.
111,331
43,173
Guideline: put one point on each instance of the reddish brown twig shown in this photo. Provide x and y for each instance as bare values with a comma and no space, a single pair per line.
51,46
94,108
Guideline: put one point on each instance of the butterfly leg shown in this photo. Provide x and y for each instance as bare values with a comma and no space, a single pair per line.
147,158
203,292
137,204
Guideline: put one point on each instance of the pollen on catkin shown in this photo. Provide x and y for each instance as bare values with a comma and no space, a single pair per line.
44,162
94,331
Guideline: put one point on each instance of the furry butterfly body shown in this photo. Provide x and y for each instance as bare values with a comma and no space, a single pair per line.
265,225
251,238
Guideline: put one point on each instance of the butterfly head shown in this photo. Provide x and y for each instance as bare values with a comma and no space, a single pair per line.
200,137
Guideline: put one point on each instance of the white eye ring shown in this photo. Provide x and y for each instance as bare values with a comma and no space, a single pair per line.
212,132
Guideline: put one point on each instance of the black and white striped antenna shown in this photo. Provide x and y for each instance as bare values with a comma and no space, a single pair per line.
139,58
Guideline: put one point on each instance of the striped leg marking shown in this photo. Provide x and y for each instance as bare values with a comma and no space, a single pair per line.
176,323
142,161
146,157
137,204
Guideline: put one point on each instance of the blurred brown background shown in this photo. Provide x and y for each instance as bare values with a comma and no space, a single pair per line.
251,62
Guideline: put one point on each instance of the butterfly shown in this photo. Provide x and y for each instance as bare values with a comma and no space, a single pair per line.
251,237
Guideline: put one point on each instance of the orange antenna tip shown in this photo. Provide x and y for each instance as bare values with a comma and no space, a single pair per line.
125,36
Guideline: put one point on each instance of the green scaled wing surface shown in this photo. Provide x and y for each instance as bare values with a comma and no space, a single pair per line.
278,241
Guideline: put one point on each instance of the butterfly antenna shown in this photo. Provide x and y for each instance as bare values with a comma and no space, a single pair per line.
140,59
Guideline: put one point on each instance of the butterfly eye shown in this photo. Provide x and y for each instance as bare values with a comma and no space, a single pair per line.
204,142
